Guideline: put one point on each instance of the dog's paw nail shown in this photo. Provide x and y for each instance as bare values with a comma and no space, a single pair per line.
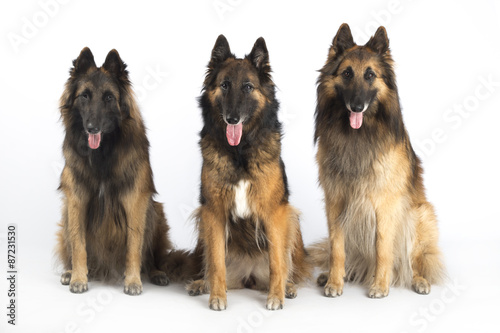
78,287
274,303
333,291
218,303
377,292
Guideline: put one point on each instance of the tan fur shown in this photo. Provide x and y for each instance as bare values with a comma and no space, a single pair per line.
226,266
380,208
249,234
382,230
110,250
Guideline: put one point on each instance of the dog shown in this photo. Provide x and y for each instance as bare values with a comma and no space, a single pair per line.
249,234
111,226
382,229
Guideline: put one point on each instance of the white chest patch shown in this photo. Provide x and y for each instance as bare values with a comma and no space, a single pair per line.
241,208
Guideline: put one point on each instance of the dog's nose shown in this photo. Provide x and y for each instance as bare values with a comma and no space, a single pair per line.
357,107
92,129
233,120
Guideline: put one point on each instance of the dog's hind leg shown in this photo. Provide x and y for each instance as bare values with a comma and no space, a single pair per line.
291,289
426,258
66,278
63,251
161,245
302,263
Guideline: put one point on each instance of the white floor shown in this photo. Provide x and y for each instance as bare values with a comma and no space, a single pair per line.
469,303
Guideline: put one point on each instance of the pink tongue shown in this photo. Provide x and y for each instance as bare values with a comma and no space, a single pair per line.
356,119
233,134
94,140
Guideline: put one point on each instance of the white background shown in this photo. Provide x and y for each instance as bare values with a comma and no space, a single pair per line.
444,52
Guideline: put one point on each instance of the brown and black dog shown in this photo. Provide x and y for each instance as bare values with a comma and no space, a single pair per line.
382,229
249,235
111,226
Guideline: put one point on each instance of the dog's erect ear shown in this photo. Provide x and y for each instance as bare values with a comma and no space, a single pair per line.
220,52
83,63
379,42
114,64
259,55
342,41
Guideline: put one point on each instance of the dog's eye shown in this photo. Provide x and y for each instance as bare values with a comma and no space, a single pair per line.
84,96
247,87
369,75
347,74
224,85
108,98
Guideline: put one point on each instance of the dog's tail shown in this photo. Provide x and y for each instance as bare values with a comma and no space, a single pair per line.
319,254
182,265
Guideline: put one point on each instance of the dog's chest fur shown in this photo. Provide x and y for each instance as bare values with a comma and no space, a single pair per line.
241,206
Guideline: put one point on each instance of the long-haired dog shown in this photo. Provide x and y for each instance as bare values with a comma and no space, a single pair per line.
111,226
382,229
249,235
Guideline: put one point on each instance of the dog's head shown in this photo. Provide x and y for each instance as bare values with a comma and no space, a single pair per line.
93,101
238,89
359,77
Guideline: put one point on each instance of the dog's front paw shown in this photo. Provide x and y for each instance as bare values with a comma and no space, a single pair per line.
217,303
78,286
377,291
333,289
133,288
274,303
421,285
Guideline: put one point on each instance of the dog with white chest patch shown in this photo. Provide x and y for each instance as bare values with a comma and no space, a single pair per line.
249,235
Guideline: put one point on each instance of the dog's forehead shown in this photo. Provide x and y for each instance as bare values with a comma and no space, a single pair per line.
98,81
238,70
359,59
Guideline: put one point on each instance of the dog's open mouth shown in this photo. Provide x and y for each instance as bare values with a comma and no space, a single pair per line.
233,134
94,140
356,119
